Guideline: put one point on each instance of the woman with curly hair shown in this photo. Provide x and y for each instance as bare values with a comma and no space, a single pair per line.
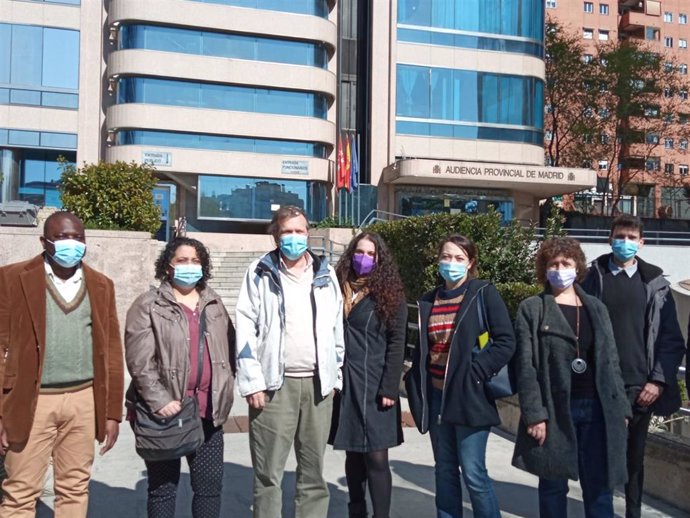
366,421
465,338
572,399
179,343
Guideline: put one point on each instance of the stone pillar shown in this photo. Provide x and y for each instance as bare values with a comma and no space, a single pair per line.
9,171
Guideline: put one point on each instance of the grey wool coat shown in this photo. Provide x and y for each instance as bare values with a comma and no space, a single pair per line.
545,350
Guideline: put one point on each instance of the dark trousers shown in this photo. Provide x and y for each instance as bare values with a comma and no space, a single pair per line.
590,430
206,473
637,440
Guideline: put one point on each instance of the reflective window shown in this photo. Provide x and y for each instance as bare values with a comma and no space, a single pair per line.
40,174
67,2
313,7
220,143
419,201
45,139
39,66
469,96
206,43
524,18
221,97
227,197
431,37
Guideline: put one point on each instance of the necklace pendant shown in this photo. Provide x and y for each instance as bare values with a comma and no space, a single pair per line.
578,365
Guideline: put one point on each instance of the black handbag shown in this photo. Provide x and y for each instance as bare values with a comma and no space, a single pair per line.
504,383
167,438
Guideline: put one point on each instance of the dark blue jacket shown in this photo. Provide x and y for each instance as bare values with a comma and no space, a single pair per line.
663,338
465,401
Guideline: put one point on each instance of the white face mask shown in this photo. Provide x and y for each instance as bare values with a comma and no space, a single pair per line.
561,279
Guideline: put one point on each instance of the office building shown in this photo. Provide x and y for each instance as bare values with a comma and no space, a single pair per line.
660,185
239,104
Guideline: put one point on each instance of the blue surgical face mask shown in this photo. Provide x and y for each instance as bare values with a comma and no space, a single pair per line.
68,252
624,249
452,271
561,279
187,275
293,245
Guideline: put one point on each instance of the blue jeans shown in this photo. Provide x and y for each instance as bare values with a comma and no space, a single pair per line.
460,449
590,431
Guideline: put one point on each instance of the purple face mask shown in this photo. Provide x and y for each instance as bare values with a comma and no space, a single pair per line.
363,264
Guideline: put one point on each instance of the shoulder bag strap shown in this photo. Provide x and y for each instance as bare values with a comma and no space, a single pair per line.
202,342
481,311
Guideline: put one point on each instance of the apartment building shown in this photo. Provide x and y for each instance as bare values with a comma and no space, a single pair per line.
663,188
239,104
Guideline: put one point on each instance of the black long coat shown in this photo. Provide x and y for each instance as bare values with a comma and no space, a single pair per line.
465,401
373,364
545,349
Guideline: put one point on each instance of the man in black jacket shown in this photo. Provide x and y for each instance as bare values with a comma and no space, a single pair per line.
648,338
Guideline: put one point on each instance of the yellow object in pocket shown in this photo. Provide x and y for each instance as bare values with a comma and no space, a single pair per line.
483,339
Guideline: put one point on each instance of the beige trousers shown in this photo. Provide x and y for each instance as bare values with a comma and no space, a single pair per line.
64,428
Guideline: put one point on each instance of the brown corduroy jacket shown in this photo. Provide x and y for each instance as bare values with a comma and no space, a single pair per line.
22,345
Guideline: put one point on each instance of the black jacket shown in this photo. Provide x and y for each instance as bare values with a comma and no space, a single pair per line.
465,401
374,353
663,338
545,350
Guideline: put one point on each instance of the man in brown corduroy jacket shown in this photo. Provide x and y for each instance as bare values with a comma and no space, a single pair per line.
61,371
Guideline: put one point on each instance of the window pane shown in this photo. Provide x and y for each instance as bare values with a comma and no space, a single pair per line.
27,55
23,138
30,97
222,197
61,58
58,140
5,48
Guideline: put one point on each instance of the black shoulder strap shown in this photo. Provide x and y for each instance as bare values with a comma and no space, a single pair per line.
202,342
481,311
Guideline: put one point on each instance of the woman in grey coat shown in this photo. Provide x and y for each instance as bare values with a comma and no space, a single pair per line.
573,403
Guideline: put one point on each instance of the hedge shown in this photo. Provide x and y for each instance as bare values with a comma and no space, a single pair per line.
506,252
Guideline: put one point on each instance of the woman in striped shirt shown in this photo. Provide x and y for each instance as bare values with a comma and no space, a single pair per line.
446,383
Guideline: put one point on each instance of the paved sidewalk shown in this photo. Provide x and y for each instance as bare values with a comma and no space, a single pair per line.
118,488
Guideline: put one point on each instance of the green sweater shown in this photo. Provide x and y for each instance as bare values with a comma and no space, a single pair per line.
68,358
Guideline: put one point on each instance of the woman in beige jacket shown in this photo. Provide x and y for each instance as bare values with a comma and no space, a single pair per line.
171,331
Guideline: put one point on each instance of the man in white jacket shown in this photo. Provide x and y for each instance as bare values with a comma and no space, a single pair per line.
290,349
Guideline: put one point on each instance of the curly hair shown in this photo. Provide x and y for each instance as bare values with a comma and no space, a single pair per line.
384,282
163,261
555,246
468,246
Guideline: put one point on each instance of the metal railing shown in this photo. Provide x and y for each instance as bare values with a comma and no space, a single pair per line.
380,215
600,235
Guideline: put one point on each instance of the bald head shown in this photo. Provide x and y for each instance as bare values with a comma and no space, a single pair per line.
60,222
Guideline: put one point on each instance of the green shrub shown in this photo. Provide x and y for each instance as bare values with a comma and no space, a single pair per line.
515,292
506,253
115,196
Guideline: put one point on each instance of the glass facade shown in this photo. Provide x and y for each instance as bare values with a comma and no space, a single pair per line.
419,201
430,37
40,176
312,7
676,202
207,43
468,104
39,139
39,66
517,18
221,97
67,2
227,197
220,143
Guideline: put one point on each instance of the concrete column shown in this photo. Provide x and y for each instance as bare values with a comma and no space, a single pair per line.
9,171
